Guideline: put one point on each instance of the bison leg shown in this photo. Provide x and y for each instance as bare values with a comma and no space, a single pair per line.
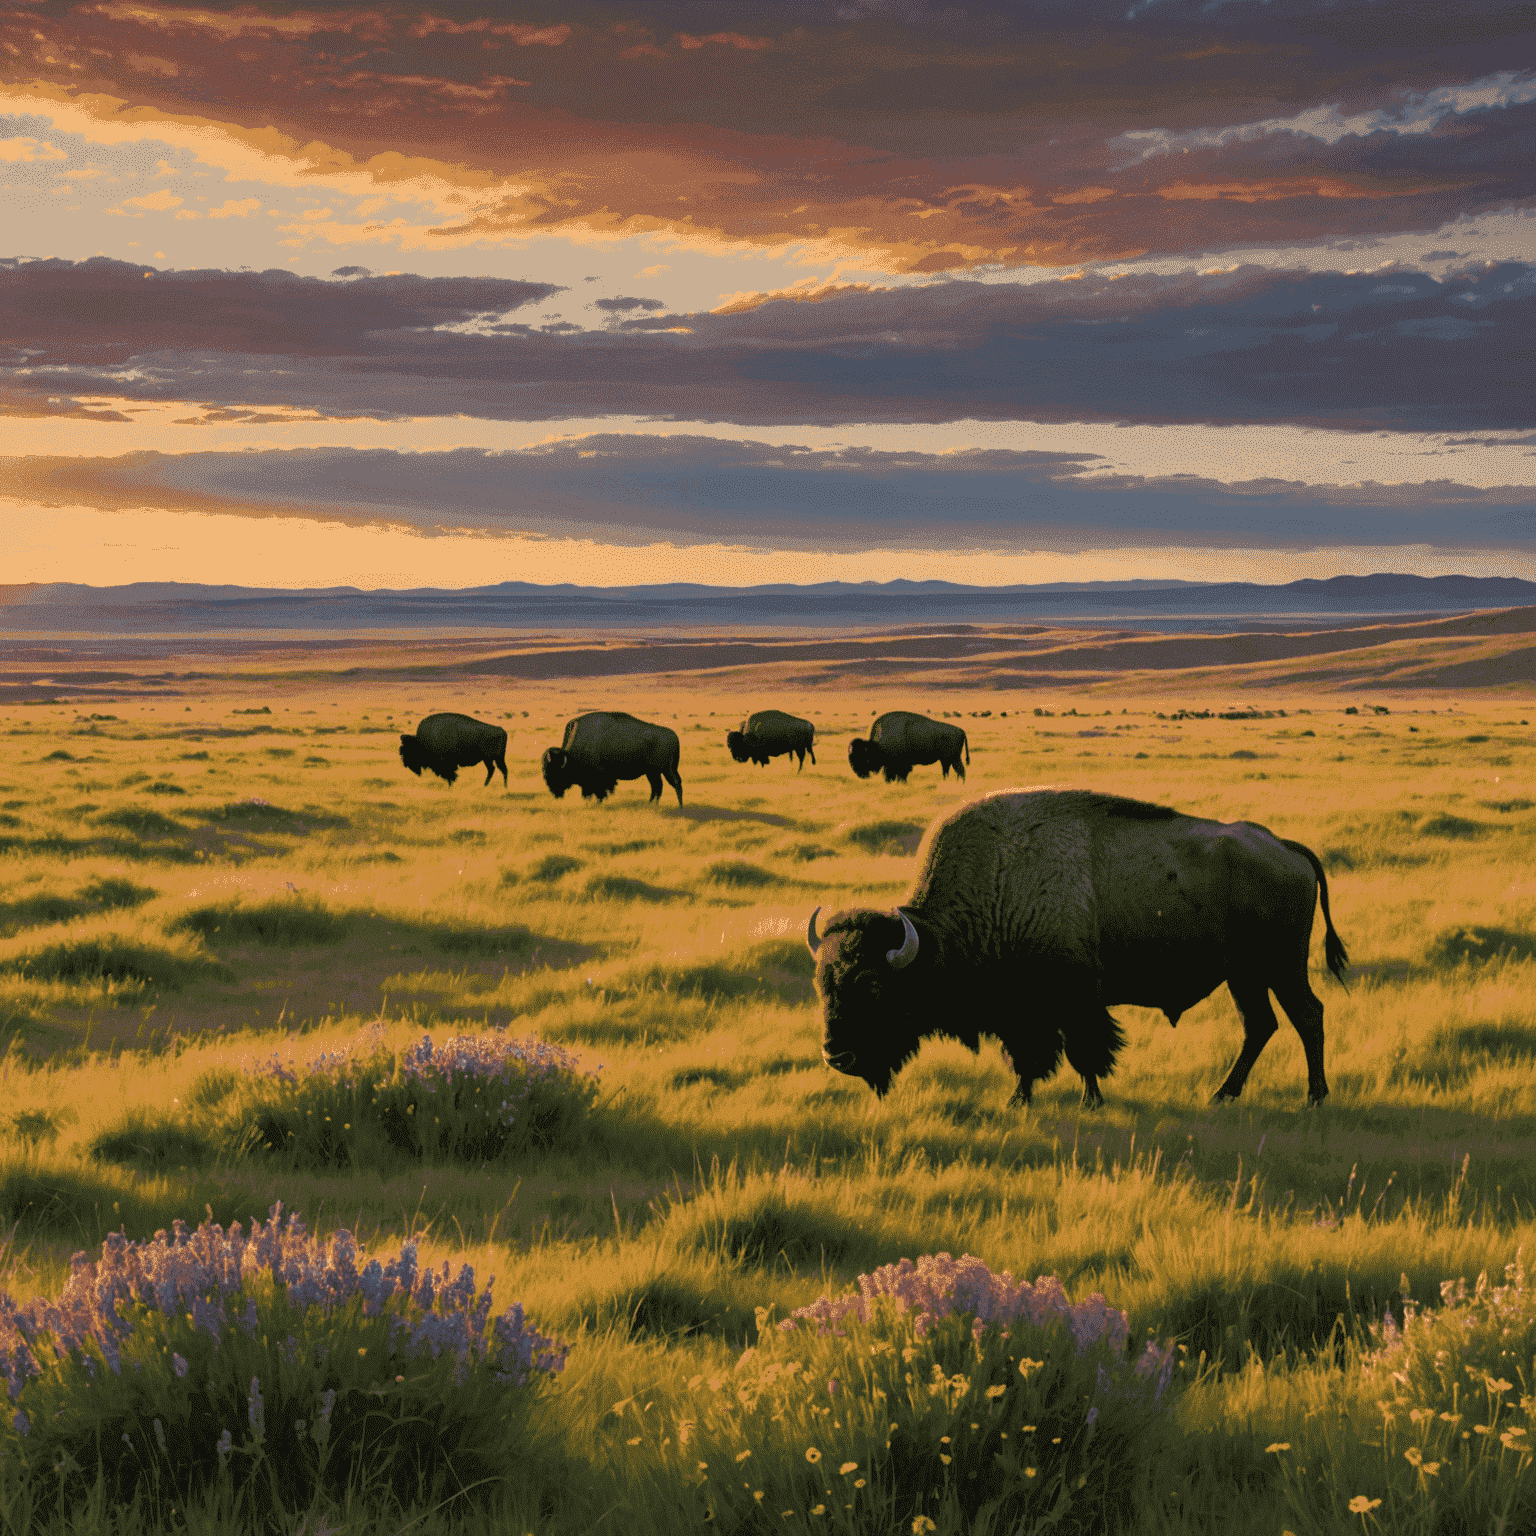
1092,1046
1252,999
675,779
1305,1012
1032,1058
654,780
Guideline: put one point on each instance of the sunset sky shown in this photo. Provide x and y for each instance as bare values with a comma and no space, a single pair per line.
446,294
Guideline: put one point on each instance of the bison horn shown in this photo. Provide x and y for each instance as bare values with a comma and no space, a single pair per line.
908,951
811,936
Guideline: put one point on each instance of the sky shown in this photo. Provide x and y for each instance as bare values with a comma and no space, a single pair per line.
447,293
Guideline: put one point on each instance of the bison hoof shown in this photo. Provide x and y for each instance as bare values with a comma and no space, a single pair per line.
1221,1096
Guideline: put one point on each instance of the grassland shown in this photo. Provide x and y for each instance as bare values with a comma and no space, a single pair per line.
194,885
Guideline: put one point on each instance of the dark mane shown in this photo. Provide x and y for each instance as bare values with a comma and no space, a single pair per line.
1133,810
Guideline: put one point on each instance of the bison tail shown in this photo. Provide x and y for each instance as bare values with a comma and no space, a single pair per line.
1334,951
965,742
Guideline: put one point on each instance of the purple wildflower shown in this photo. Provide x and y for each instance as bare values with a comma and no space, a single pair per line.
225,1446
179,1365
22,1422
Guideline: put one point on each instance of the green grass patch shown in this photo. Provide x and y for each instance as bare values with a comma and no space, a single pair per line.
742,876
889,837
279,923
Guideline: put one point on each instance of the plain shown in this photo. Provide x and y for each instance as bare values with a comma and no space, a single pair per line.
195,887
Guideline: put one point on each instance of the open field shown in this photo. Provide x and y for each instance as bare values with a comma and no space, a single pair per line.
208,866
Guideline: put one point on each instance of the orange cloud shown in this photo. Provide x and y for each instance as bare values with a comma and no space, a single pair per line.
727,39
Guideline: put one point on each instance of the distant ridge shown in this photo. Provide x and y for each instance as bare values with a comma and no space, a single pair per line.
175,607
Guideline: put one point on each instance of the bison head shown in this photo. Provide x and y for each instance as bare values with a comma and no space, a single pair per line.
414,755
873,1017
736,745
557,771
863,756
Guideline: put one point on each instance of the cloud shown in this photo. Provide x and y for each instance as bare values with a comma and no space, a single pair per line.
25,148
626,306
1249,345
913,138
694,489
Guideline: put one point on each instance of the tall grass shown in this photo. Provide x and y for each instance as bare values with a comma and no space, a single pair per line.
721,1168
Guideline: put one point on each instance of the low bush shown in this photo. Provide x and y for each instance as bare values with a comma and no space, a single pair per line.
141,822
552,866
471,1098
939,1397
740,875
900,837
281,923
1451,1447
115,957
279,1365
1458,946
624,888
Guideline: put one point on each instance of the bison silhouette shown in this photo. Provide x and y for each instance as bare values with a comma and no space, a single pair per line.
1035,910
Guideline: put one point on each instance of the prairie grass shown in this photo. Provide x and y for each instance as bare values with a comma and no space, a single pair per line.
156,948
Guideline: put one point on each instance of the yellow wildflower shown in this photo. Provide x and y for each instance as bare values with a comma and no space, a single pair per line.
812,1455
1278,1445
1360,1505
847,1467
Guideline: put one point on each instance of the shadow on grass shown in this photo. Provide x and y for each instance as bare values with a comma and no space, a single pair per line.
725,813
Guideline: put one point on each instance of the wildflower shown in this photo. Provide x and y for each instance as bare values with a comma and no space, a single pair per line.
812,1455
635,1441
178,1365
847,1467
1431,1467
758,1495
22,1423
834,1386
1500,1385
820,1509
1029,1471
922,1524
945,1459
743,1455
1413,1456
225,1446
1278,1445
996,1391
1360,1505
858,1482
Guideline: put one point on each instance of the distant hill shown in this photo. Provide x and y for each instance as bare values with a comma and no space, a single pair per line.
174,607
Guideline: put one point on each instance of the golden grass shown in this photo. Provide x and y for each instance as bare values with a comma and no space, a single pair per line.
279,903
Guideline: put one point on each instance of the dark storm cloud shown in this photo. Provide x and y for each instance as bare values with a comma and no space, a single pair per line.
695,489
1383,349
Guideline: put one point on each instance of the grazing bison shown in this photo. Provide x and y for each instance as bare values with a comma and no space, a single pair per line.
601,748
772,733
1036,909
446,743
899,741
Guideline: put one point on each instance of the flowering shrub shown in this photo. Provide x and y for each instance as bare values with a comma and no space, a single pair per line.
939,1392
282,1360
472,1098
1459,1392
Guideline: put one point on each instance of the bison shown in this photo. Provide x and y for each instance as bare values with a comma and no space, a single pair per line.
1035,910
446,743
772,733
899,741
601,748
